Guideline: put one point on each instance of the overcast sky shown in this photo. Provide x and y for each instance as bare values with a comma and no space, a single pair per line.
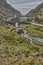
24,6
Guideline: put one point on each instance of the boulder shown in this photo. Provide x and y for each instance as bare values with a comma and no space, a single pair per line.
3,56
37,54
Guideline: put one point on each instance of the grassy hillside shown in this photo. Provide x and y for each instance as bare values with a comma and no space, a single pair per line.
36,15
17,50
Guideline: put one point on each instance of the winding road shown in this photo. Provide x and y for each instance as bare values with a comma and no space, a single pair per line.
28,36
26,22
33,39
37,24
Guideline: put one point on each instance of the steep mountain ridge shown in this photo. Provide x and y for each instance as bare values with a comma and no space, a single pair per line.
7,11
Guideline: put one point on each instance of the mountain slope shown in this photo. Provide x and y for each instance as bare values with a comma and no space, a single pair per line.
37,13
7,11
38,10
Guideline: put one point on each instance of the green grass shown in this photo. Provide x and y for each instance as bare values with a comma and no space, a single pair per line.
39,43
21,51
33,30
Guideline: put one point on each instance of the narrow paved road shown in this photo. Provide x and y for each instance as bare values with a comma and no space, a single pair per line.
31,40
37,24
30,37
26,22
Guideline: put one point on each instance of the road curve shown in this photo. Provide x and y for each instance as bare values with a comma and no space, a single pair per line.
26,22
30,37
31,40
37,24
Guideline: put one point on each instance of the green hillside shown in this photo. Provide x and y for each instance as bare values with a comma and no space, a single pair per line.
17,50
36,15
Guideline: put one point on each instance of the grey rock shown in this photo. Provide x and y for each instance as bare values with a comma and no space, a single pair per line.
3,56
